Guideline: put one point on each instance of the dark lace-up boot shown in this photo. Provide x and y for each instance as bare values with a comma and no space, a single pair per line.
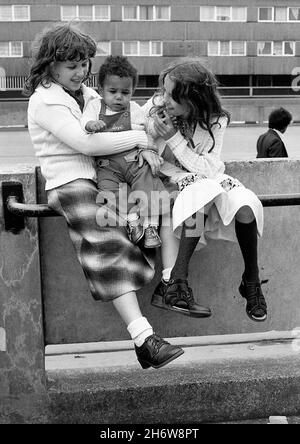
256,307
177,296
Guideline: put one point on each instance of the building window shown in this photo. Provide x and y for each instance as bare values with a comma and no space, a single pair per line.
11,49
102,13
146,13
223,13
142,48
238,48
280,14
130,13
103,49
294,14
226,48
85,13
131,48
162,13
15,13
275,14
265,14
278,48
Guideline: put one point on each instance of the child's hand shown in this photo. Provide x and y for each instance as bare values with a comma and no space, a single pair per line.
95,126
164,126
153,159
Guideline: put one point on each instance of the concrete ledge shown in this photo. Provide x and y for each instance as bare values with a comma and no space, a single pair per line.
109,346
210,383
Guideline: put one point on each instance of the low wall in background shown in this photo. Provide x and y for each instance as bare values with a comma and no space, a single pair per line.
251,109
256,109
13,113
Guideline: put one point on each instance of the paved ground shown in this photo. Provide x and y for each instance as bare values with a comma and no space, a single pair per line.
216,383
239,144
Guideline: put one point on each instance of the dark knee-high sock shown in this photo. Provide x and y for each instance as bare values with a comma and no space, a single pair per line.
186,249
247,238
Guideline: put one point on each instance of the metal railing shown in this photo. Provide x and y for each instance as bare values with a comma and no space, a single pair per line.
16,83
15,210
9,83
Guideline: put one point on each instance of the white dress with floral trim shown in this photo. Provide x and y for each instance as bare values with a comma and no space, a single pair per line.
203,186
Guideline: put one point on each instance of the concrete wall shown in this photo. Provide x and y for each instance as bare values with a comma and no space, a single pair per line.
44,298
245,109
71,315
256,109
13,113
22,368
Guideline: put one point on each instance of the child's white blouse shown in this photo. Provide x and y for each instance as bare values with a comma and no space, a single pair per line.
198,159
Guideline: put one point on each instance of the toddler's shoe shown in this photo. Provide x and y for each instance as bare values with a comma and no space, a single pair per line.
256,307
156,352
177,296
151,237
135,230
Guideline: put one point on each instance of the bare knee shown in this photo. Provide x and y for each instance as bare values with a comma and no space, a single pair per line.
245,215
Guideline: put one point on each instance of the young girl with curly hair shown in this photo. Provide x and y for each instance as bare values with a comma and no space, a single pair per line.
190,121
113,266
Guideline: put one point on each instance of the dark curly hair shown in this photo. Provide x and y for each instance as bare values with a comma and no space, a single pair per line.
59,43
117,66
196,87
280,119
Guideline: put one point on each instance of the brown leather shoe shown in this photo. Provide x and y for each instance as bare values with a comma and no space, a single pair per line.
151,238
177,296
156,352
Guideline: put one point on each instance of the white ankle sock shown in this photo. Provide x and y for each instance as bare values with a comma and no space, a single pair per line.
166,274
139,330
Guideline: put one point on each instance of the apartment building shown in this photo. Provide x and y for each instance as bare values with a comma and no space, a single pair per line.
253,47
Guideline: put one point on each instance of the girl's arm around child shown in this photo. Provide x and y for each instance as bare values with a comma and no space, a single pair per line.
58,120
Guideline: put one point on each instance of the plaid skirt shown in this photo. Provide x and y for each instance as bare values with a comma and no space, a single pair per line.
113,266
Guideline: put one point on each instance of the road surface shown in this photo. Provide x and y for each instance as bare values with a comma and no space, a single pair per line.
239,144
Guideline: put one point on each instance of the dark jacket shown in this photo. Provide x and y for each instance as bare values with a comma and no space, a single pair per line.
270,144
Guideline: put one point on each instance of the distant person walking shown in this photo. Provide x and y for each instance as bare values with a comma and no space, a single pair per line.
270,144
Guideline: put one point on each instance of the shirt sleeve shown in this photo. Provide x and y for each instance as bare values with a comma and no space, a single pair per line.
91,112
200,160
59,121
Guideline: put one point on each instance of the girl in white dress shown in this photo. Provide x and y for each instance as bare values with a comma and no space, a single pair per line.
189,119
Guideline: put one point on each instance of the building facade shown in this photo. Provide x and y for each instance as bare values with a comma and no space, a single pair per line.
253,47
